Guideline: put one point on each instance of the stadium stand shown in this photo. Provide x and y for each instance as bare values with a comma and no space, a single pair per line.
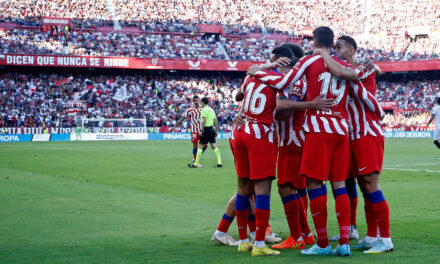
381,36
173,29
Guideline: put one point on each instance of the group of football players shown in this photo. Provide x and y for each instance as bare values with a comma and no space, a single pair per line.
306,120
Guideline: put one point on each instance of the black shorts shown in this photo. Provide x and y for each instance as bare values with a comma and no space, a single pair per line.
208,136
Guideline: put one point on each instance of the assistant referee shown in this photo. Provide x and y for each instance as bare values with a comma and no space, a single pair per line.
208,133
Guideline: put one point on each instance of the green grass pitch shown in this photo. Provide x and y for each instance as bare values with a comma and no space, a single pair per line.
137,202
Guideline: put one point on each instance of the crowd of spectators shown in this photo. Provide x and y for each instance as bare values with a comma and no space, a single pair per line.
161,100
413,95
35,99
108,44
379,26
410,120
84,13
94,43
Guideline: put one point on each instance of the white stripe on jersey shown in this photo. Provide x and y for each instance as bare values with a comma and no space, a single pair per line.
271,78
306,124
344,123
302,135
379,129
298,74
256,131
356,120
326,125
315,124
295,138
247,130
369,130
337,127
366,74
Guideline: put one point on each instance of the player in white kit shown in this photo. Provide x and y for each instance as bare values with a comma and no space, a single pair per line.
436,115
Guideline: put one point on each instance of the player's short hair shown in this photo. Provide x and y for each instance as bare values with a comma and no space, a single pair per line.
205,100
283,51
350,41
195,97
298,52
438,100
323,37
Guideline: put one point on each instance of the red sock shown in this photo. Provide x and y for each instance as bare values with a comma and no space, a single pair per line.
371,219
318,208
342,206
305,229
262,214
303,194
242,221
225,223
291,209
242,214
381,213
262,222
353,210
251,223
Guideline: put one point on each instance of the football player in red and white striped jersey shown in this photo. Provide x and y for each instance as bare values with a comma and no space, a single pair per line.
255,151
326,147
367,143
193,113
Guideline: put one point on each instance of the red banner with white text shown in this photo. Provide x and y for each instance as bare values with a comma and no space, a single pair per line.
389,105
123,62
55,21
173,64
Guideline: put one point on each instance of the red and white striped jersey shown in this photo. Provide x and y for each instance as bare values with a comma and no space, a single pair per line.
292,129
259,108
194,118
361,121
321,82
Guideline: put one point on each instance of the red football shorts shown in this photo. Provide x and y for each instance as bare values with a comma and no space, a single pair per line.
353,168
326,157
368,154
288,166
231,144
254,158
195,137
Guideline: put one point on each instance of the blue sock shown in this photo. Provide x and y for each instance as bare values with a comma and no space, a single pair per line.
315,193
241,203
228,218
289,198
302,192
340,191
376,197
262,202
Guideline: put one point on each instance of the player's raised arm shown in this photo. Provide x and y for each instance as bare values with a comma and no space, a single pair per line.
282,82
179,122
370,66
358,90
240,93
338,70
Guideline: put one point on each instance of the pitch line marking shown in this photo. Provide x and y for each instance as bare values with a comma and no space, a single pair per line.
413,165
411,170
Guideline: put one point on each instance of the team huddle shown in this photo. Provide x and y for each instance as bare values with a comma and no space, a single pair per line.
306,120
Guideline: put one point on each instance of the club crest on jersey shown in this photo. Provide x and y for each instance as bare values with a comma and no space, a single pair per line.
295,92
